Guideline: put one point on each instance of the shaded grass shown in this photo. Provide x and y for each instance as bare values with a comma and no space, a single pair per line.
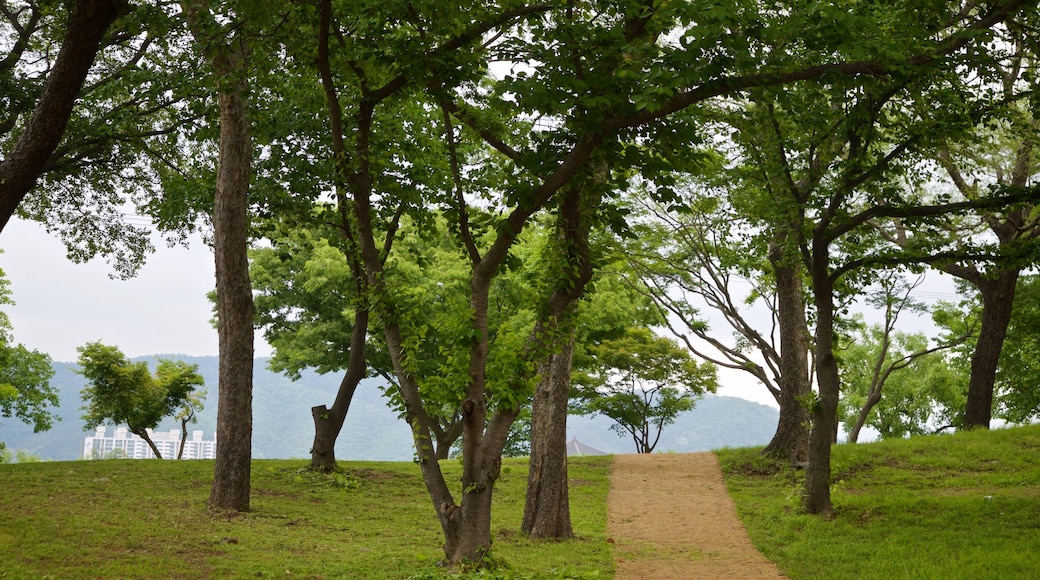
148,519
945,506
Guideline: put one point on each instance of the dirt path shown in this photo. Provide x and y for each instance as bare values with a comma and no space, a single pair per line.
669,516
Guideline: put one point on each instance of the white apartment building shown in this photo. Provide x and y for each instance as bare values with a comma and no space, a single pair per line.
125,444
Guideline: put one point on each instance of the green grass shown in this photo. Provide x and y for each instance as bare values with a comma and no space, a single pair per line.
148,519
942,507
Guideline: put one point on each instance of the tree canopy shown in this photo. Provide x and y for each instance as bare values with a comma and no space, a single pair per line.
124,392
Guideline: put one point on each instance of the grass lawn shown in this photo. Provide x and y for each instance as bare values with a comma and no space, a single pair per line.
148,519
937,507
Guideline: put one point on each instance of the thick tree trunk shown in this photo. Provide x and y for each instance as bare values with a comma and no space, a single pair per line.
998,296
547,507
329,422
27,159
791,440
825,411
231,477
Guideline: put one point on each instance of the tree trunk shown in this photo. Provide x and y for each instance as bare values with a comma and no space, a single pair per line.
998,296
445,434
231,477
873,398
28,157
547,505
329,422
791,440
184,439
825,411
143,434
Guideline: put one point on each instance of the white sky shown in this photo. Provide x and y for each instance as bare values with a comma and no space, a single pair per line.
60,305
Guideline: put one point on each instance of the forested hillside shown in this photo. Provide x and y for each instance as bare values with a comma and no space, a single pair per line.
282,426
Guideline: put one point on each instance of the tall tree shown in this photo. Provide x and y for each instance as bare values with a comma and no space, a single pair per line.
227,47
842,174
1013,227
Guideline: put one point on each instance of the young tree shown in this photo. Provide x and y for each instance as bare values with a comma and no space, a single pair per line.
188,412
923,391
642,382
875,354
125,392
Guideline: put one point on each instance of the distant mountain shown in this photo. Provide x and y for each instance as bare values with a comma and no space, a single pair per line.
282,425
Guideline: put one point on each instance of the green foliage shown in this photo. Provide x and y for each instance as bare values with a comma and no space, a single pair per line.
1018,374
919,398
642,381
25,391
124,392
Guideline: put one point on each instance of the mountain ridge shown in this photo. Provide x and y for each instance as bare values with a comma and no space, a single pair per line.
283,428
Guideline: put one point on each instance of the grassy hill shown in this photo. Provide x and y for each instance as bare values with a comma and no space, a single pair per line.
148,519
282,425
965,505
943,507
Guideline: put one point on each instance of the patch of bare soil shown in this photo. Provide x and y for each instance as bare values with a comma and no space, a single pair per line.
669,516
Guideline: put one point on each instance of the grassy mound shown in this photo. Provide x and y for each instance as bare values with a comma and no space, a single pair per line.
945,506
148,519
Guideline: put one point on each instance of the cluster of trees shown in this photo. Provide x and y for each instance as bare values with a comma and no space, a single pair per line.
440,191
122,392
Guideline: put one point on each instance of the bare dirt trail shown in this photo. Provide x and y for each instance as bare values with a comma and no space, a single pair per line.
669,516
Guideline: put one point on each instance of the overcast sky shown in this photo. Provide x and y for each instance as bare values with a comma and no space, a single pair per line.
60,305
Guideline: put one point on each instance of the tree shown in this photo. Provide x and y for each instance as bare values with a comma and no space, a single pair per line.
1006,158
834,155
41,133
124,392
188,414
922,394
706,254
875,354
642,382
226,44
25,391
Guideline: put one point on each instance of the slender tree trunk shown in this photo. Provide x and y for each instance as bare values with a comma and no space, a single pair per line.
328,423
28,157
184,439
873,398
998,296
143,434
231,477
825,411
791,440
547,505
